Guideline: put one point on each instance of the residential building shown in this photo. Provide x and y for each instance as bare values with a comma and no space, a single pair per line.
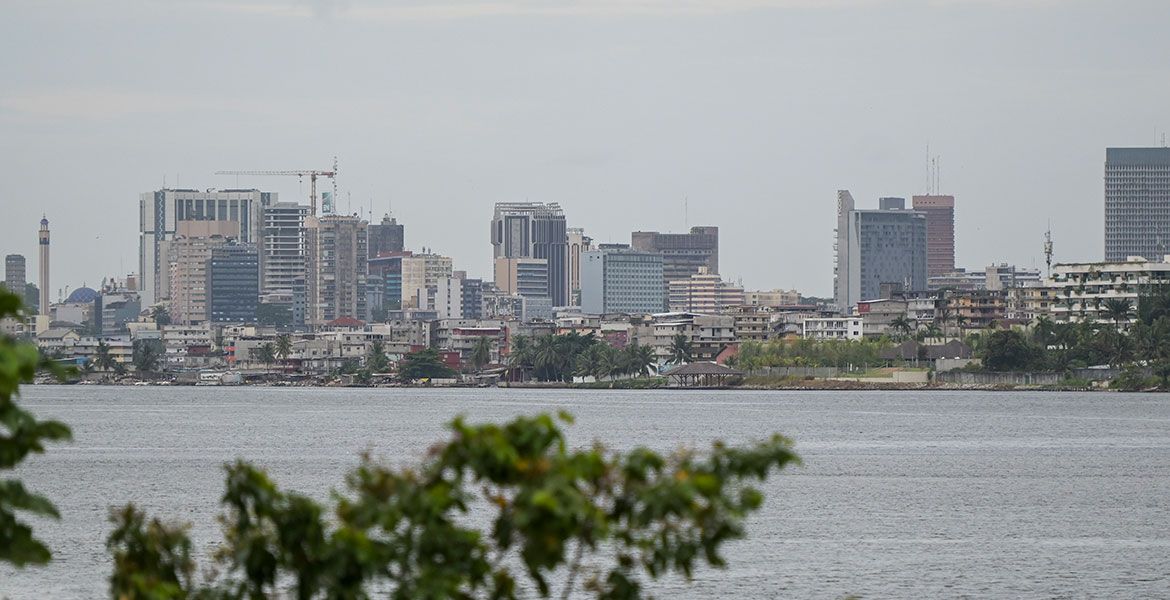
461,335
578,242
833,328
534,230
1137,203
15,274
708,335
772,298
420,276
877,247
1082,290
387,237
618,279
995,277
878,316
119,308
1029,302
335,269
940,232
703,292
233,283
189,253
283,251
683,254
978,309
752,323
161,211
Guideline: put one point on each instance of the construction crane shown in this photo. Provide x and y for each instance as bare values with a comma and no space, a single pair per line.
312,175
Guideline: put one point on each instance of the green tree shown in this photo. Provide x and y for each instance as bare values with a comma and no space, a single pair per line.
266,354
520,356
902,327
424,364
639,358
1118,310
481,352
607,522
161,315
20,435
376,360
680,351
284,348
147,355
103,359
1008,350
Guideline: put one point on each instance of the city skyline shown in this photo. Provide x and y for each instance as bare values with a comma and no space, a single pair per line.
689,114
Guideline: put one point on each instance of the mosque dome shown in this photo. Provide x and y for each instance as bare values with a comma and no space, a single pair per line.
82,295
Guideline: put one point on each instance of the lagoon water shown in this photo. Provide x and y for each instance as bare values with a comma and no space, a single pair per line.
902,494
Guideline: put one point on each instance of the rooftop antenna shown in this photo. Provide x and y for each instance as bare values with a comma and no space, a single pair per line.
1048,249
686,213
929,189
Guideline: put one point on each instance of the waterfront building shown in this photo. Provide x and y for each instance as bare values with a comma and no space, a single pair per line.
618,279
833,328
772,298
875,248
1082,290
1137,203
708,335
534,230
683,254
940,232
335,269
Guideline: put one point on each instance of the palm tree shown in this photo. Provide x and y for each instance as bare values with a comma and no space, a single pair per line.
284,348
586,364
161,315
267,355
1118,310
376,361
901,327
104,360
639,359
680,350
481,352
1043,330
520,355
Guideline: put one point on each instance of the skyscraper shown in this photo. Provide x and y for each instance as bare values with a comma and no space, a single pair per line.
160,212
233,283
875,247
335,269
534,230
683,254
617,279
43,239
420,276
1137,203
189,253
282,251
15,274
386,237
940,233
578,243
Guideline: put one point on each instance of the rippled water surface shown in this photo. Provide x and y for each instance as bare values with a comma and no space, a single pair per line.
902,494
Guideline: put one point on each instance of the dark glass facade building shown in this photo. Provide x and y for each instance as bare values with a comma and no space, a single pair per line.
233,283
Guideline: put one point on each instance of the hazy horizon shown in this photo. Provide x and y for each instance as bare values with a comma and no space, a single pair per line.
752,112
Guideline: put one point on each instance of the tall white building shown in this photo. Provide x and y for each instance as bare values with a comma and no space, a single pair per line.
160,212
420,272
1137,203
282,259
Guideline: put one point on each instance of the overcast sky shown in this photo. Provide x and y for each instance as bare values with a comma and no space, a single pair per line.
753,112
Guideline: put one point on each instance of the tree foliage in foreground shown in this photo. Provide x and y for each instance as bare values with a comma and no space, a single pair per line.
20,435
591,519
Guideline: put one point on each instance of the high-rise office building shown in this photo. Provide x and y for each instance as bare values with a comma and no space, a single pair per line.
161,211
683,254
189,252
43,243
335,269
15,274
1137,203
282,249
618,279
875,247
386,237
526,277
578,243
233,283
534,230
940,232
387,269
458,297
420,276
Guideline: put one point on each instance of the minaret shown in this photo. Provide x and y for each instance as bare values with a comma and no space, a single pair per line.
44,283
